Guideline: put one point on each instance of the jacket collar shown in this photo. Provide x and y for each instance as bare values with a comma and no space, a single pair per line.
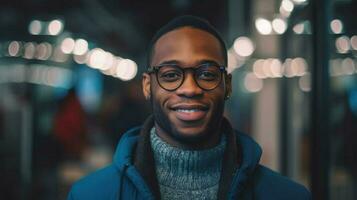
251,153
145,163
241,153
125,148
144,158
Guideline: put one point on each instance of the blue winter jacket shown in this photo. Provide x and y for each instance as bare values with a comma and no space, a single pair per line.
122,180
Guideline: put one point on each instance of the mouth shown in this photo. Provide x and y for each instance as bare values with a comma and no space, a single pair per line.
190,112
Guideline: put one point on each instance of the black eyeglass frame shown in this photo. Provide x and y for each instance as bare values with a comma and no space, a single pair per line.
155,69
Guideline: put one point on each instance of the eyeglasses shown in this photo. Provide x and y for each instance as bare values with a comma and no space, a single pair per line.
170,76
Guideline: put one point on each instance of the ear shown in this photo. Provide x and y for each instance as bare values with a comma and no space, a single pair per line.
228,82
146,82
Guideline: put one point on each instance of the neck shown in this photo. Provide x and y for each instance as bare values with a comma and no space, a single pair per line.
206,141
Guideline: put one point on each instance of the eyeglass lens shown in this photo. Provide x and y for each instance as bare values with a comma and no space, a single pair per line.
171,77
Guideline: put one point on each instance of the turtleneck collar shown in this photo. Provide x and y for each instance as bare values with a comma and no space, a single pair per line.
187,169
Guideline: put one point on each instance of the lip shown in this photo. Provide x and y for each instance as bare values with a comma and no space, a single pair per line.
190,112
189,106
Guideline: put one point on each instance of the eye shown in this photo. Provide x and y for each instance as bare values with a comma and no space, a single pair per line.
170,75
207,75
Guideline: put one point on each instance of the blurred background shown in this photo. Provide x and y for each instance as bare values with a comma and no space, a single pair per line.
70,85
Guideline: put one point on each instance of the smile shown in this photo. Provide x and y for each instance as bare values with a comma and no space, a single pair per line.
190,112
187,110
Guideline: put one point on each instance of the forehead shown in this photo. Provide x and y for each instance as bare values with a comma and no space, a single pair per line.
187,44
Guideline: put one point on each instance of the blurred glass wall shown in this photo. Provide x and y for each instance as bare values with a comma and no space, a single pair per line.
70,85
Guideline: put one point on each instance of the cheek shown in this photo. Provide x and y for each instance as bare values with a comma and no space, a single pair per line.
217,95
159,95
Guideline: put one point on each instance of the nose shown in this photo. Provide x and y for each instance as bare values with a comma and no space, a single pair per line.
189,87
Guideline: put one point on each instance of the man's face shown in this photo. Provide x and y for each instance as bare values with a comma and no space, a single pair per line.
189,113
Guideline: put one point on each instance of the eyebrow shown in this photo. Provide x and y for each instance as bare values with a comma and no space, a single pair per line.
170,62
206,61
176,62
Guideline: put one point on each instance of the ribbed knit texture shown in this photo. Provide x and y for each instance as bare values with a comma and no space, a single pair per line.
187,174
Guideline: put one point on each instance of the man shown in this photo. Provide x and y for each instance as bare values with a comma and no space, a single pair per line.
187,149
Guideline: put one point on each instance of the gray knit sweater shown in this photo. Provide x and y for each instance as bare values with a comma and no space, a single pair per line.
187,174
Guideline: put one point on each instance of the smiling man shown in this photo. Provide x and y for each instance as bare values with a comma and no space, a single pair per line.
187,149
187,81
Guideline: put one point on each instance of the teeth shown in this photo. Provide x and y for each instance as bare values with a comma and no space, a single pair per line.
187,111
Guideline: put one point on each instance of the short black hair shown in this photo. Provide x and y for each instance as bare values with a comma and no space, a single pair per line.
186,21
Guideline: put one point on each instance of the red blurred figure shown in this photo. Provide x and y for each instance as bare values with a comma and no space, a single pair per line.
70,126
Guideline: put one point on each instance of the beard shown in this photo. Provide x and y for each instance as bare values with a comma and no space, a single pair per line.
169,128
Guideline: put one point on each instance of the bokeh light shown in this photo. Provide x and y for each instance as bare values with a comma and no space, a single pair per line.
298,66
14,48
55,27
299,28
58,55
43,51
348,66
252,83
287,5
243,46
300,1
263,26
276,67
354,42
342,44
258,68
288,72
81,47
305,82
267,68
336,26
35,27
279,25
286,8
67,45
80,59
109,62
126,69
96,58
335,67
30,49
